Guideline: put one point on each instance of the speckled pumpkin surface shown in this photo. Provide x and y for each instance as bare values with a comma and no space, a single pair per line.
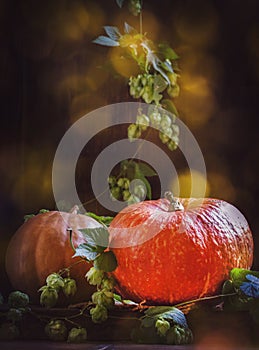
165,257
41,246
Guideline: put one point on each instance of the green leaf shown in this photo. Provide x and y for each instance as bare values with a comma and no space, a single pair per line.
106,220
112,32
167,52
86,251
117,297
146,170
167,66
169,106
105,41
106,261
43,211
236,302
159,83
128,29
238,276
98,236
251,288
228,287
146,183
120,3
128,169
169,313
28,217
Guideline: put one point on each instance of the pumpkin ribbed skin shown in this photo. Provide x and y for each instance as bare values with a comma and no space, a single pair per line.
181,255
41,246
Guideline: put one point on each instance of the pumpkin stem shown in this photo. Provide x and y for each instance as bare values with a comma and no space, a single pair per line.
70,238
174,204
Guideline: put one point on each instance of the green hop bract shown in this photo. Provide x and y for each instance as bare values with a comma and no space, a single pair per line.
54,280
77,335
162,326
69,287
178,335
104,298
49,296
99,314
56,330
94,276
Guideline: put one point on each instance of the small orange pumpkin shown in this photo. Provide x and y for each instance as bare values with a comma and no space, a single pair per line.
42,246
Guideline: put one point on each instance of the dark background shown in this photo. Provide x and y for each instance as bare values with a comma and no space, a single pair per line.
52,74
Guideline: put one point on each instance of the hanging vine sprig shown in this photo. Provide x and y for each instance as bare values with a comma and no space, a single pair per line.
157,63
156,83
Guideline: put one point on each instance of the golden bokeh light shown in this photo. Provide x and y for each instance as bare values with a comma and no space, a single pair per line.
122,65
200,62
196,102
196,85
190,184
96,19
70,23
200,74
151,26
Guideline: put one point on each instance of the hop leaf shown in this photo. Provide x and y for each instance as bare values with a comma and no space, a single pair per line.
105,41
238,276
106,261
251,288
112,32
168,313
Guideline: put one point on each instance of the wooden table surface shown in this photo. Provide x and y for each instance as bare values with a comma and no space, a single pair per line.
39,345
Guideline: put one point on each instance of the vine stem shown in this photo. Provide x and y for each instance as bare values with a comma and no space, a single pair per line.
69,267
141,23
203,299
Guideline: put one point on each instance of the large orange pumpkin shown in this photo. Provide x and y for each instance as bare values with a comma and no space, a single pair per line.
41,246
168,252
